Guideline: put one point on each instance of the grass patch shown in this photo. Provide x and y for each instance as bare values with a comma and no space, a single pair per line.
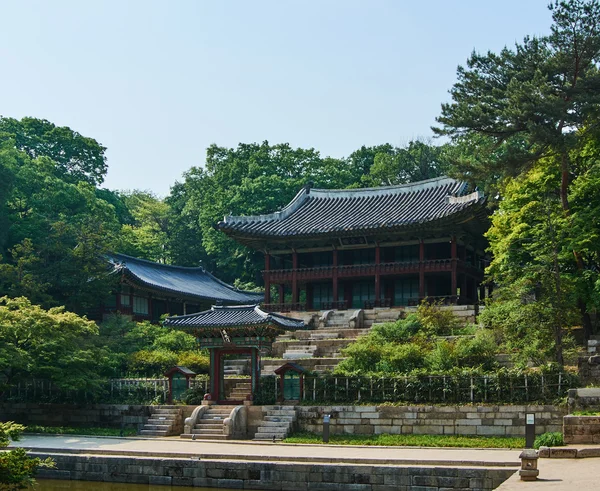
586,413
411,440
70,430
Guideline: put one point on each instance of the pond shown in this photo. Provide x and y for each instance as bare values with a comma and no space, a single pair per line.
58,485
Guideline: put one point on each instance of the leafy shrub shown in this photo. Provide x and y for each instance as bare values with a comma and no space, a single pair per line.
477,351
400,358
435,320
442,357
196,361
399,331
152,363
550,439
193,396
267,390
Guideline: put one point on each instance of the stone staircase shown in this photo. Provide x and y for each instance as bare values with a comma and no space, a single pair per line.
235,367
319,349
210,425
164,421
276,423
240,391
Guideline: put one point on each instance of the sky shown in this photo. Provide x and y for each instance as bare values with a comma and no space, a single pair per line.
157,82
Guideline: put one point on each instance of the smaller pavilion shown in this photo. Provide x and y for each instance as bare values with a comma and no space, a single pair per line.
240,330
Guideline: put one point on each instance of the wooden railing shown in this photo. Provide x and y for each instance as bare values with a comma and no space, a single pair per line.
358,270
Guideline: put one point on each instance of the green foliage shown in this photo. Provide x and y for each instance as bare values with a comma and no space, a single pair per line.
77,157
410,344
267,391
456,386
193,396
409,440
17,470
549,439
436,320
47,344
71,430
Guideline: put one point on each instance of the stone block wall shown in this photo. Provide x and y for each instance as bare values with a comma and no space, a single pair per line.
584,399
278,475
431,420
101,415
581,429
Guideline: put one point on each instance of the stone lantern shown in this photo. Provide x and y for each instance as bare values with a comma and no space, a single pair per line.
529,462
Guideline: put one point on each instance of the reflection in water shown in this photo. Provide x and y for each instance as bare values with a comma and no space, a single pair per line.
56,485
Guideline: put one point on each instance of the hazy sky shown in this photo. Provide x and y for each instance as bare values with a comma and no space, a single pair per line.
157,82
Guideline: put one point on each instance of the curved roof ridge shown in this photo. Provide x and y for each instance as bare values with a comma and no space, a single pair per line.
409,186
154,263
285,212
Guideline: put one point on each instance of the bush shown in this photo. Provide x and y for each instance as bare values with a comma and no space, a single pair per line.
193,396
442,357
477,351
196,361
400,358
435,320
550,439
399,331
152,363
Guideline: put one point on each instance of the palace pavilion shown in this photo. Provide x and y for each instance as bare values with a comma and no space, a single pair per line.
148,290
376,247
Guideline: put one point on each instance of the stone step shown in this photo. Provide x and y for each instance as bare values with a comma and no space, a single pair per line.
153,427
208,436
233,371
324,368
275,424
297,356
154,432
208,431
210,426
160,421
269,436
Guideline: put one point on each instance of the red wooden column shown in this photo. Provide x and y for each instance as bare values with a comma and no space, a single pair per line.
267,278
377,274
294,277
281,289
454,258
335,275
421,269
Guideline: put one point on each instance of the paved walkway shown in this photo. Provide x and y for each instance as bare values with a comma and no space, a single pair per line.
175,447
559,474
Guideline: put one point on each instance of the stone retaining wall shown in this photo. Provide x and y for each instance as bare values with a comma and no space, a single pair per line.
431,420
282,476
102,415
581,429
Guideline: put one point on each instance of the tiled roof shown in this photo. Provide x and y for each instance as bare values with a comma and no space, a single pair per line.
346,212
195,283
238,316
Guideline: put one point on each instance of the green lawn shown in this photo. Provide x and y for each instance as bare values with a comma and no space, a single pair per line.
69,430
411,440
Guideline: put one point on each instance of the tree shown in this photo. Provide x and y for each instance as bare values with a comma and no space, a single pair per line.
533,103
57,235
417,161
147,236
47,344
78,158
16,468
531,255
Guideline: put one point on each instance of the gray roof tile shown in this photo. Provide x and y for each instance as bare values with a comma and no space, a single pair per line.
321,211
240,316
178,280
